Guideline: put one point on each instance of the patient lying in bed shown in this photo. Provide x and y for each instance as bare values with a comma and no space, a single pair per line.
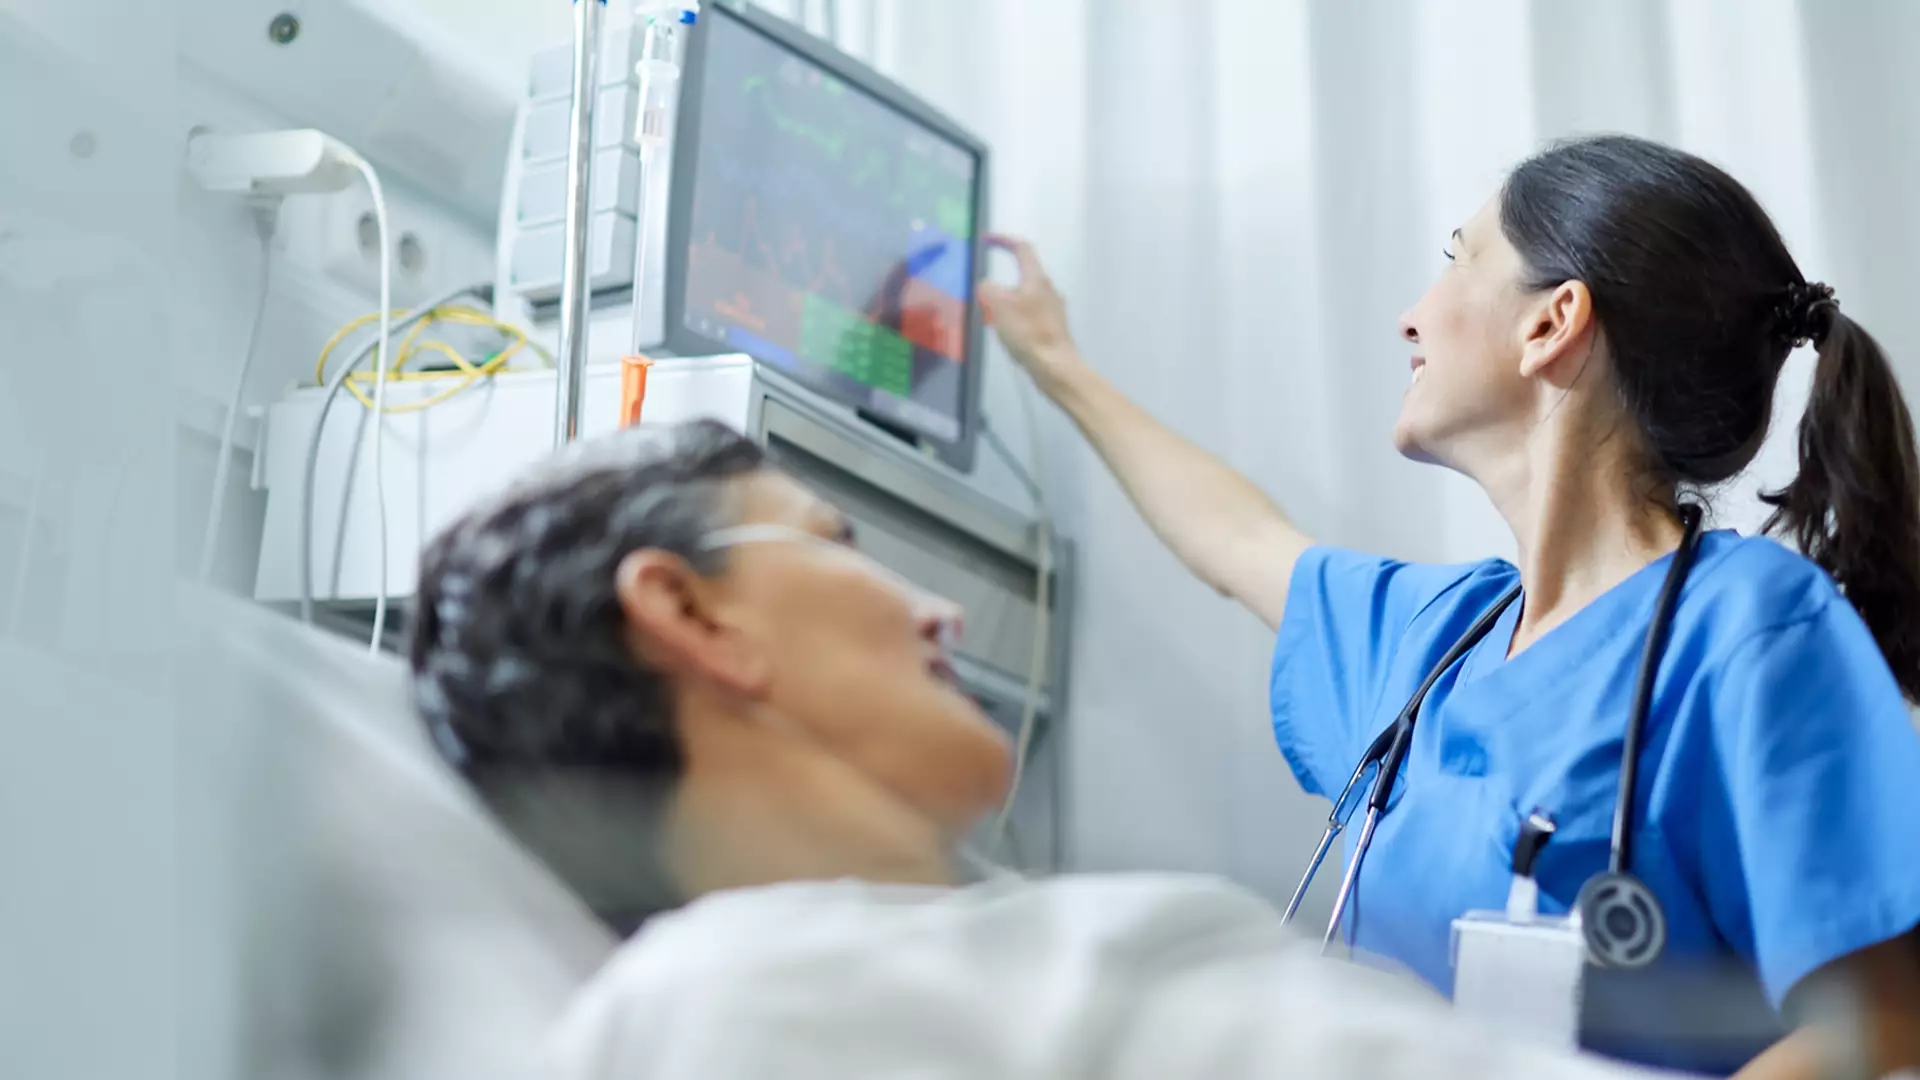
667,668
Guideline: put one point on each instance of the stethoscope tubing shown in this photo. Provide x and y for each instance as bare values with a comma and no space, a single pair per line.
1388,751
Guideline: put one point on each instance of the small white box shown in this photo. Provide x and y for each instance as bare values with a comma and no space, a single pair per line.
540,254
550,124
1526,979
616,188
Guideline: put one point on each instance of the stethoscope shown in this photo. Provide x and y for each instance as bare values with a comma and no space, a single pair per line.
1620,917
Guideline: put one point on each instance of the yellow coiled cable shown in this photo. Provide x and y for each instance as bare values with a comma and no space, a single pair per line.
466,372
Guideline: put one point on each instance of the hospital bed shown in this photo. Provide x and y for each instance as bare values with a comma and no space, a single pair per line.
400,932
397,931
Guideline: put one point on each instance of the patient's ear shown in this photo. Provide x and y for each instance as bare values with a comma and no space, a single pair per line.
677,625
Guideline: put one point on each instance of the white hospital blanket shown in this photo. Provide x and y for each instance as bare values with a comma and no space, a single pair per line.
1138,976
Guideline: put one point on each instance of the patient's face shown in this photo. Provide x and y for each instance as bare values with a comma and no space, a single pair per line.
854,659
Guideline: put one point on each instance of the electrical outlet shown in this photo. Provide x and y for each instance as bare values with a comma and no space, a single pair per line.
349,245
431,252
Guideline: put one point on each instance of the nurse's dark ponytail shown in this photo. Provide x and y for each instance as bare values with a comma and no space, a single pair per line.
1855,506
1699,303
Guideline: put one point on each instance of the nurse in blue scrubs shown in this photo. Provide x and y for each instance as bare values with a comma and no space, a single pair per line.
1606,339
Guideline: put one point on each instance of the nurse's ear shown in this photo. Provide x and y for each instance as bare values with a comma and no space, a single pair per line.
1557,333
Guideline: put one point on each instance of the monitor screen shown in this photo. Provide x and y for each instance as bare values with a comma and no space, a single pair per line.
831,234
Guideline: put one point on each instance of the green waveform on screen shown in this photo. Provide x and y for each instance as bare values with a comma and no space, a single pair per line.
952,204
873,166
831,143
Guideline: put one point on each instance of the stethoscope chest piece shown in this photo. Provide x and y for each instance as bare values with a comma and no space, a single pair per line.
1622,921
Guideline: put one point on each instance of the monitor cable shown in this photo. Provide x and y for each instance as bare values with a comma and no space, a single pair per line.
1042,608
337,382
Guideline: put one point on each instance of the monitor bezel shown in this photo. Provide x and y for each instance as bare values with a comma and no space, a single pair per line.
957,453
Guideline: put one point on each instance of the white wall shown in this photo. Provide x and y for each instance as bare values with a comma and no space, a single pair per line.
494,37
125,293
86,797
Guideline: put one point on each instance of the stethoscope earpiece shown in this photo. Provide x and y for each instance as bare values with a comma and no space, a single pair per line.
1622,921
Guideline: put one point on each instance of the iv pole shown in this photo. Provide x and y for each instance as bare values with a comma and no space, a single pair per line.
588,15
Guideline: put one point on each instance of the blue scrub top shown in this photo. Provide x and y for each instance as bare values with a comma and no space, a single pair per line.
1778,810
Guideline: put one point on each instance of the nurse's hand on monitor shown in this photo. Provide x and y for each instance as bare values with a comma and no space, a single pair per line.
1031,319
1226,531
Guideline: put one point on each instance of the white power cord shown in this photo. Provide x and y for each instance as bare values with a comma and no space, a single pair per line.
306,161
381,371
266,219
1042,616
334,385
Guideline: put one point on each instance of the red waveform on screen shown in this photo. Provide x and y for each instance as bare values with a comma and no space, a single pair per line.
739,308
794,257
757,283
750,297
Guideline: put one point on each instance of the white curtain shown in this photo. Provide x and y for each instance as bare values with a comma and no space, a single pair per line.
1238,197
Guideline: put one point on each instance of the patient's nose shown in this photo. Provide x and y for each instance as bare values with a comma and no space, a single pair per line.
939,620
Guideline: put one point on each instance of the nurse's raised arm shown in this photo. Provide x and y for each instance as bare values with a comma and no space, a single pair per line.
1223,528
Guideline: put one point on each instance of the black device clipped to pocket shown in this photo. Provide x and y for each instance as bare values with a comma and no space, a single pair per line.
1523,896
1534,834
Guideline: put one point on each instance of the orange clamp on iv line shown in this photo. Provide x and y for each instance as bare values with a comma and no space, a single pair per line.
633,388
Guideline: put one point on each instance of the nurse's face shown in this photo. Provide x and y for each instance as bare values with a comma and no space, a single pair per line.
1469,334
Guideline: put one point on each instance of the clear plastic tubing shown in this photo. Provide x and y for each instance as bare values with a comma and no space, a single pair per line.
667,25
658,70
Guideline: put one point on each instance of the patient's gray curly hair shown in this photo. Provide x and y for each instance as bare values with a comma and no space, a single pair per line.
518,655
522,672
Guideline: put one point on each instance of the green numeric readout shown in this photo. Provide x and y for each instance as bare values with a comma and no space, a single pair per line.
855,347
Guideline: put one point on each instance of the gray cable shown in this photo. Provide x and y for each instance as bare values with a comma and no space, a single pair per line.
1042,614
1005,454
334,385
